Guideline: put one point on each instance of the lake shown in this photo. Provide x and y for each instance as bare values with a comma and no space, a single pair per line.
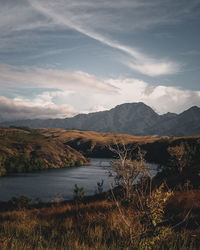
49,183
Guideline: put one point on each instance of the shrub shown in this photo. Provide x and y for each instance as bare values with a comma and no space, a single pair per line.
21,201
78,193
181,156
141,209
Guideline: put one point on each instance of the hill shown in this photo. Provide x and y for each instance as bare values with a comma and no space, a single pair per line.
27,150
129,118
96,144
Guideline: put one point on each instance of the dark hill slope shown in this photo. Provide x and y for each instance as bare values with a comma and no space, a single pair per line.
128,118
184,124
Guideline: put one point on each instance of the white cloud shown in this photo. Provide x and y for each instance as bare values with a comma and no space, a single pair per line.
154,68
68,102
162,98
52,78
86,93
41,107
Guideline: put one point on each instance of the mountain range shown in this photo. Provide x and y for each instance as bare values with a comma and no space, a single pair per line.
128,118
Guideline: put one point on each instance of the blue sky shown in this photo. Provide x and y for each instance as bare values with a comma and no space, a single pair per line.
60,58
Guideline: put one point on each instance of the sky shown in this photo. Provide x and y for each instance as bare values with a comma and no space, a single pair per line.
59,58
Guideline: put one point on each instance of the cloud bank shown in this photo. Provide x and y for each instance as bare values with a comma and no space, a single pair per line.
41,107
79,92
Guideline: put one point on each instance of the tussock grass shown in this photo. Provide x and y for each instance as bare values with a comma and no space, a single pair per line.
96,225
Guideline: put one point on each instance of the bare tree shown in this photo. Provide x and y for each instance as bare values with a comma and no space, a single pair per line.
146,207
126,170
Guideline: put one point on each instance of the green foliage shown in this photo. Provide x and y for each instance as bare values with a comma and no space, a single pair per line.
23,163
79,162
25,128
2,168
181,156
2,165
78,193
73,163
21,201
156,203
38,200
2,171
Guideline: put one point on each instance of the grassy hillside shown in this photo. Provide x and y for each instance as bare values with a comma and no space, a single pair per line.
27,150
94,144
95,138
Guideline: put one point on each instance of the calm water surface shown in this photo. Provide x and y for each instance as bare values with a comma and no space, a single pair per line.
49,183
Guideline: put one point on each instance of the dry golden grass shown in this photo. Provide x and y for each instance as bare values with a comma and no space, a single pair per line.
95,225
52,152
95,137
104,138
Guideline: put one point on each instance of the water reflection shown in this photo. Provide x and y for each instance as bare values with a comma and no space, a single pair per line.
49,183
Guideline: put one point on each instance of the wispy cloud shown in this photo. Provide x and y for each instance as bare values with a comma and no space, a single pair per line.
191,53
99,20
126,15
79,22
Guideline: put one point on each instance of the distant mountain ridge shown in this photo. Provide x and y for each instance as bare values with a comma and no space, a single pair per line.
128,118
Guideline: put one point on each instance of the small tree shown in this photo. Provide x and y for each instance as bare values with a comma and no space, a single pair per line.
78,193
127,171
144,214
181,156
